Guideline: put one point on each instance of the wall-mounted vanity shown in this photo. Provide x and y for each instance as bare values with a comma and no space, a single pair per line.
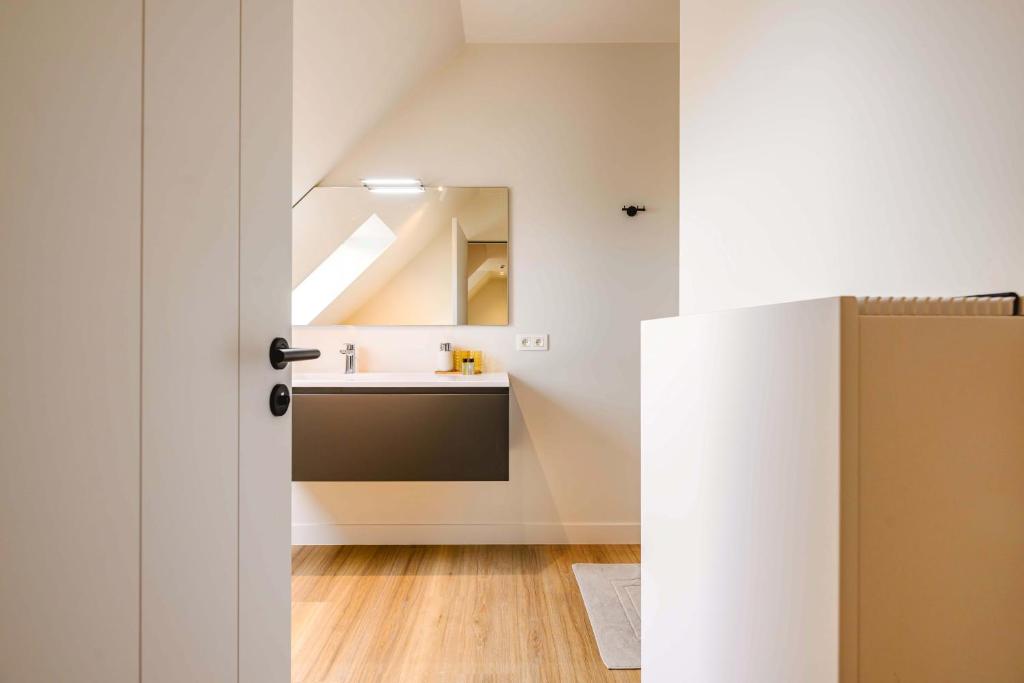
400,427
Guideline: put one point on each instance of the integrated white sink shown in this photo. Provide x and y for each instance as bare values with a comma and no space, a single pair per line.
397,379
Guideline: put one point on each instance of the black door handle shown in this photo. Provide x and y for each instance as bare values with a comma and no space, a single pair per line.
281,355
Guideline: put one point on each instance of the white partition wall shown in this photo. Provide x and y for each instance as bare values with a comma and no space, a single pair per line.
740,488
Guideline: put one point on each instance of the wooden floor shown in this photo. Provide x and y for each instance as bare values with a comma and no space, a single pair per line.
445,613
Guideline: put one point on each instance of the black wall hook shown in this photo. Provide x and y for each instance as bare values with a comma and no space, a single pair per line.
631,210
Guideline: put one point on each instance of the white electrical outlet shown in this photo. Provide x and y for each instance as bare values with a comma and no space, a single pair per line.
531,342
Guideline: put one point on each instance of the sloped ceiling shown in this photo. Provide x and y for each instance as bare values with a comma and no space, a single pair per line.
571,21
356,59
353,60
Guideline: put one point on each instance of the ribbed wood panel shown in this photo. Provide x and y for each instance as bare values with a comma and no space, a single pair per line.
914,305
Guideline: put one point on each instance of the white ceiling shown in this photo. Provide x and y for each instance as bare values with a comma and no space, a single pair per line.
571,21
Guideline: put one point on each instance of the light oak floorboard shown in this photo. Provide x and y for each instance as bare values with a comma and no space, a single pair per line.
435,614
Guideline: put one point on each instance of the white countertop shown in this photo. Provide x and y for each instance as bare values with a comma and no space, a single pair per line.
397,379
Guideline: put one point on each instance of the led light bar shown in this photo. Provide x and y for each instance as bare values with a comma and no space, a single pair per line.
385,183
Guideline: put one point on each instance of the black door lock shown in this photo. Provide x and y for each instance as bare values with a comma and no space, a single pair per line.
280,399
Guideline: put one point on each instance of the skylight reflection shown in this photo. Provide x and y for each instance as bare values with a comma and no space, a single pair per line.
340,269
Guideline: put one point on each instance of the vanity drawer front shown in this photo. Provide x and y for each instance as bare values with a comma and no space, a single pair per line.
378,436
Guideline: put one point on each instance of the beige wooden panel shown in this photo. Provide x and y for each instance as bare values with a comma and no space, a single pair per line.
849,491
265,274
941,499
70,142
190,342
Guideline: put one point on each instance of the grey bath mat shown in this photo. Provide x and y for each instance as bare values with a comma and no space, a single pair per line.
611,593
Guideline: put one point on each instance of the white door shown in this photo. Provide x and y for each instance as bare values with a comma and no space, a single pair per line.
145,268
265,276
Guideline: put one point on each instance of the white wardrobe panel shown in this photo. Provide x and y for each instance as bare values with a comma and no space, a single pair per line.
190,342
70,144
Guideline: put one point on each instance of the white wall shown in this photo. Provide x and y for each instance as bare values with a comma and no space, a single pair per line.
868,147
353,61
865,147
575,132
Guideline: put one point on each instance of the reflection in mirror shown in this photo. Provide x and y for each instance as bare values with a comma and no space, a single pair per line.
487,265
439,257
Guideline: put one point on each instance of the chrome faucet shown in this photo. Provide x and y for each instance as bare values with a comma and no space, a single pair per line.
349,351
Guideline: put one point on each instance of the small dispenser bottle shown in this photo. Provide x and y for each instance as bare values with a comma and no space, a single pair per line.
444,358
468,366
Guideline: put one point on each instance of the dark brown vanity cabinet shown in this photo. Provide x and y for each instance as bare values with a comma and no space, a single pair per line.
388,434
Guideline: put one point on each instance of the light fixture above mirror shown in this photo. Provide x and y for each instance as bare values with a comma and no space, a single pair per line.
394,185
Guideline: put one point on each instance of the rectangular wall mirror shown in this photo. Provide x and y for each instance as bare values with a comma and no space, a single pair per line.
435,257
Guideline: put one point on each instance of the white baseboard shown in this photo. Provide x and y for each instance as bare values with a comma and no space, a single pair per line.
466,534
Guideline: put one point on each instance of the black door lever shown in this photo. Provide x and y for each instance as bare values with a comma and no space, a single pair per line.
281,355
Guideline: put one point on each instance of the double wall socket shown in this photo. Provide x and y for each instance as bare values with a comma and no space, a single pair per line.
531,342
